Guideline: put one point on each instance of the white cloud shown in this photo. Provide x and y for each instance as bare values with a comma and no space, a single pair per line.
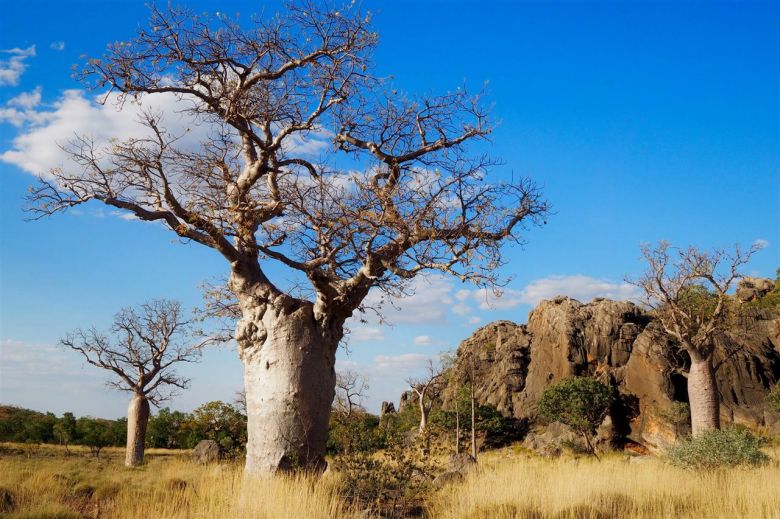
36,149
21,110
582,288
761,243
365,334
27,100
12,68
423,340
474,319
404,363
506,299
57,45
461,309
428,303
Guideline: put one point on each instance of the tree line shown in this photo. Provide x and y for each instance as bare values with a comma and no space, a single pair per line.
218,421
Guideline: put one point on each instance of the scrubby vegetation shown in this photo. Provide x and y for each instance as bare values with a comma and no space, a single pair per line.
729,447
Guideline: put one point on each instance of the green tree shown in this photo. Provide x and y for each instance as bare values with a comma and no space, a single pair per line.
220,422
94,433
579,402
167,430
65,430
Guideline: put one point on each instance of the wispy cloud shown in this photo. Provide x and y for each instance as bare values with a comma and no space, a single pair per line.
57,45
580,287
13,66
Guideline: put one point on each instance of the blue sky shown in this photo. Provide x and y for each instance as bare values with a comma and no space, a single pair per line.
641,120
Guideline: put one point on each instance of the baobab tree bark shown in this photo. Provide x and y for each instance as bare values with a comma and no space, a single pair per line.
289,379
137,420
703,395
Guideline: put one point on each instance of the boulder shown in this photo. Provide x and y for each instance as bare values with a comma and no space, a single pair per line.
206,451
750,289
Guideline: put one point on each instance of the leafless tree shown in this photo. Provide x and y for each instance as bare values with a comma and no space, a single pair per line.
688,292
396,192
141,350
427,388
351,388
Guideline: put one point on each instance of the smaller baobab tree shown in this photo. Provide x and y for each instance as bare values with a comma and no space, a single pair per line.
351,388
141,350
688,291
427,388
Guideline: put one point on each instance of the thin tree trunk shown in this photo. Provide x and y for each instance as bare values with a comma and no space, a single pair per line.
289,379
703,395
457,425
423,412
473,426
137,419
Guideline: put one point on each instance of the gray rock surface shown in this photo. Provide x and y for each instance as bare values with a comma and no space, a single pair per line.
206,451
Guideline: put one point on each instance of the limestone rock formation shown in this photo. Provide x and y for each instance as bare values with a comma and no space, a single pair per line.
620,344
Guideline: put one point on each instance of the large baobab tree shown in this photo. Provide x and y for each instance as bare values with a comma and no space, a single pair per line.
141,351
688,290
396,190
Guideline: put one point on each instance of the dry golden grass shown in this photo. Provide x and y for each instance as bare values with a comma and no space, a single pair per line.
509,484
51,485
537,488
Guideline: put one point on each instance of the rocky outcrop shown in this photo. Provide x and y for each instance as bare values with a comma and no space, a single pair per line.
206,451
386,408
620,344
750,289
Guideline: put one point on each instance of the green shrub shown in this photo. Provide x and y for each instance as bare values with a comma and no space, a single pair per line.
358,432
391,485
581,403
729,447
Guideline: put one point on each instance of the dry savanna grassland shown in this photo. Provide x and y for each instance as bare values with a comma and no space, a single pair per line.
44,482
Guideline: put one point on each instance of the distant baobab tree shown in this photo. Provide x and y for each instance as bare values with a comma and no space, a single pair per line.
351,388
141,351
688,291
395,190
427,389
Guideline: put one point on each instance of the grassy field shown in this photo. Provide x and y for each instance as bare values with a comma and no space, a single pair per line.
46,483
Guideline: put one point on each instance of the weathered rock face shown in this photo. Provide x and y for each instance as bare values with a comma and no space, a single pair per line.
206,451
620,344
387,408
750,289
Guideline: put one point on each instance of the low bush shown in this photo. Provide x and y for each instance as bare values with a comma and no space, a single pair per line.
730,447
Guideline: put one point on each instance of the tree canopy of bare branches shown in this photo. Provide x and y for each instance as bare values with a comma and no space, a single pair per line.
688,292
427,388
397,185
351,388
142,349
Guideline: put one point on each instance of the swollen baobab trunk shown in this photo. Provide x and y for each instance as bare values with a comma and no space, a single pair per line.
137,420
703,395
289,379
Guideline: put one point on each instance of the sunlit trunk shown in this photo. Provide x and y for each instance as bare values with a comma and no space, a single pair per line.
137,420
703,395
289,379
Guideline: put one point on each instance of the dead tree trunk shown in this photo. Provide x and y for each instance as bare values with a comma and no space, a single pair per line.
703,395
137,420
